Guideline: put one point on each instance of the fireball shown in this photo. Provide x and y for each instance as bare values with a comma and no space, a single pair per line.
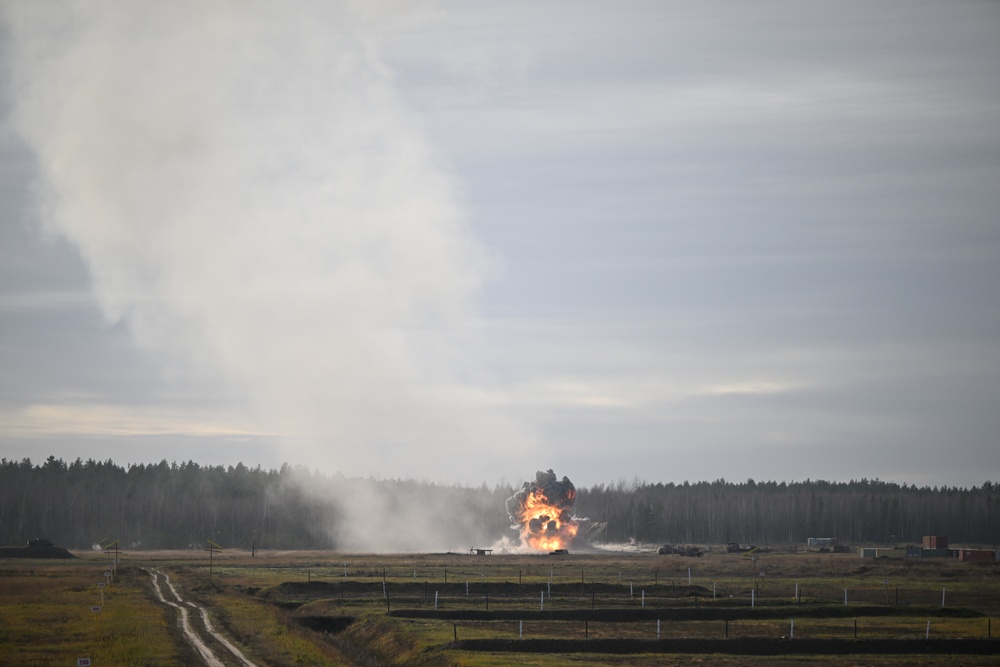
543,512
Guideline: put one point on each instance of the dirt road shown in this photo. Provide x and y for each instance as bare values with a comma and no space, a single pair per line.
190,633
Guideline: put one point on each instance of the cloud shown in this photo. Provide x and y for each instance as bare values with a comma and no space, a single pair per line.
78,417
746,388
46,300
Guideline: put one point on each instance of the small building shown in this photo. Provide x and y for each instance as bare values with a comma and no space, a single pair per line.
896,553
868,552
935,542
937,553
822,542
976,555
480,552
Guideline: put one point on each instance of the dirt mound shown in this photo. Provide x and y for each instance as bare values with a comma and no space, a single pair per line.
35,552
733,646
668,614
301,591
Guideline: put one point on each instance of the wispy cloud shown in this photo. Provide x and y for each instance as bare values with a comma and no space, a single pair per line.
89,420
51,300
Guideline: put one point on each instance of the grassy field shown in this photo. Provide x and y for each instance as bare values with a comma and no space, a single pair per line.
48,616
313,608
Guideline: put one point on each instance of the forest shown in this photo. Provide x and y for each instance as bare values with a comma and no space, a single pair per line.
175,506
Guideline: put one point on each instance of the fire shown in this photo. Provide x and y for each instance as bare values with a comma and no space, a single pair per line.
543,512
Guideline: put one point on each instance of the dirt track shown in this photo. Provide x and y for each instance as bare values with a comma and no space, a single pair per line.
190,633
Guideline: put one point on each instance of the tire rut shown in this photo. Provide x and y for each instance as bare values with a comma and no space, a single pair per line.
190,633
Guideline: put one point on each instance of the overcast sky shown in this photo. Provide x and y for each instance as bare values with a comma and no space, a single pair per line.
464,241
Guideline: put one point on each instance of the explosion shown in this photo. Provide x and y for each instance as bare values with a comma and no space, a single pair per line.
543,512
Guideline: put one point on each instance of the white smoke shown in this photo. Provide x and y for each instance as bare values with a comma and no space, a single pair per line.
255,200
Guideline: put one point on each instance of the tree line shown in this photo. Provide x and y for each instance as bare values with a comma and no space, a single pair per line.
762,513
171,505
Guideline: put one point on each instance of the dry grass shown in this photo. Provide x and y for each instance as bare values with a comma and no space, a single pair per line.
49,622
46,617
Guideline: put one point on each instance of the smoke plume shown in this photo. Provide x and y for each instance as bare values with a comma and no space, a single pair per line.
258,204
543,512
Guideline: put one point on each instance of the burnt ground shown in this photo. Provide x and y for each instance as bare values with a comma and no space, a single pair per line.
743,646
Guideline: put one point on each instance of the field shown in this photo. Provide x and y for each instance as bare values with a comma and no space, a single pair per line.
602,608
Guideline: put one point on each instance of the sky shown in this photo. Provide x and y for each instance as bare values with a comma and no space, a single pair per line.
462,242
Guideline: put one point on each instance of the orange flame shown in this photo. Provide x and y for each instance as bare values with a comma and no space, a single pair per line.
546,526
